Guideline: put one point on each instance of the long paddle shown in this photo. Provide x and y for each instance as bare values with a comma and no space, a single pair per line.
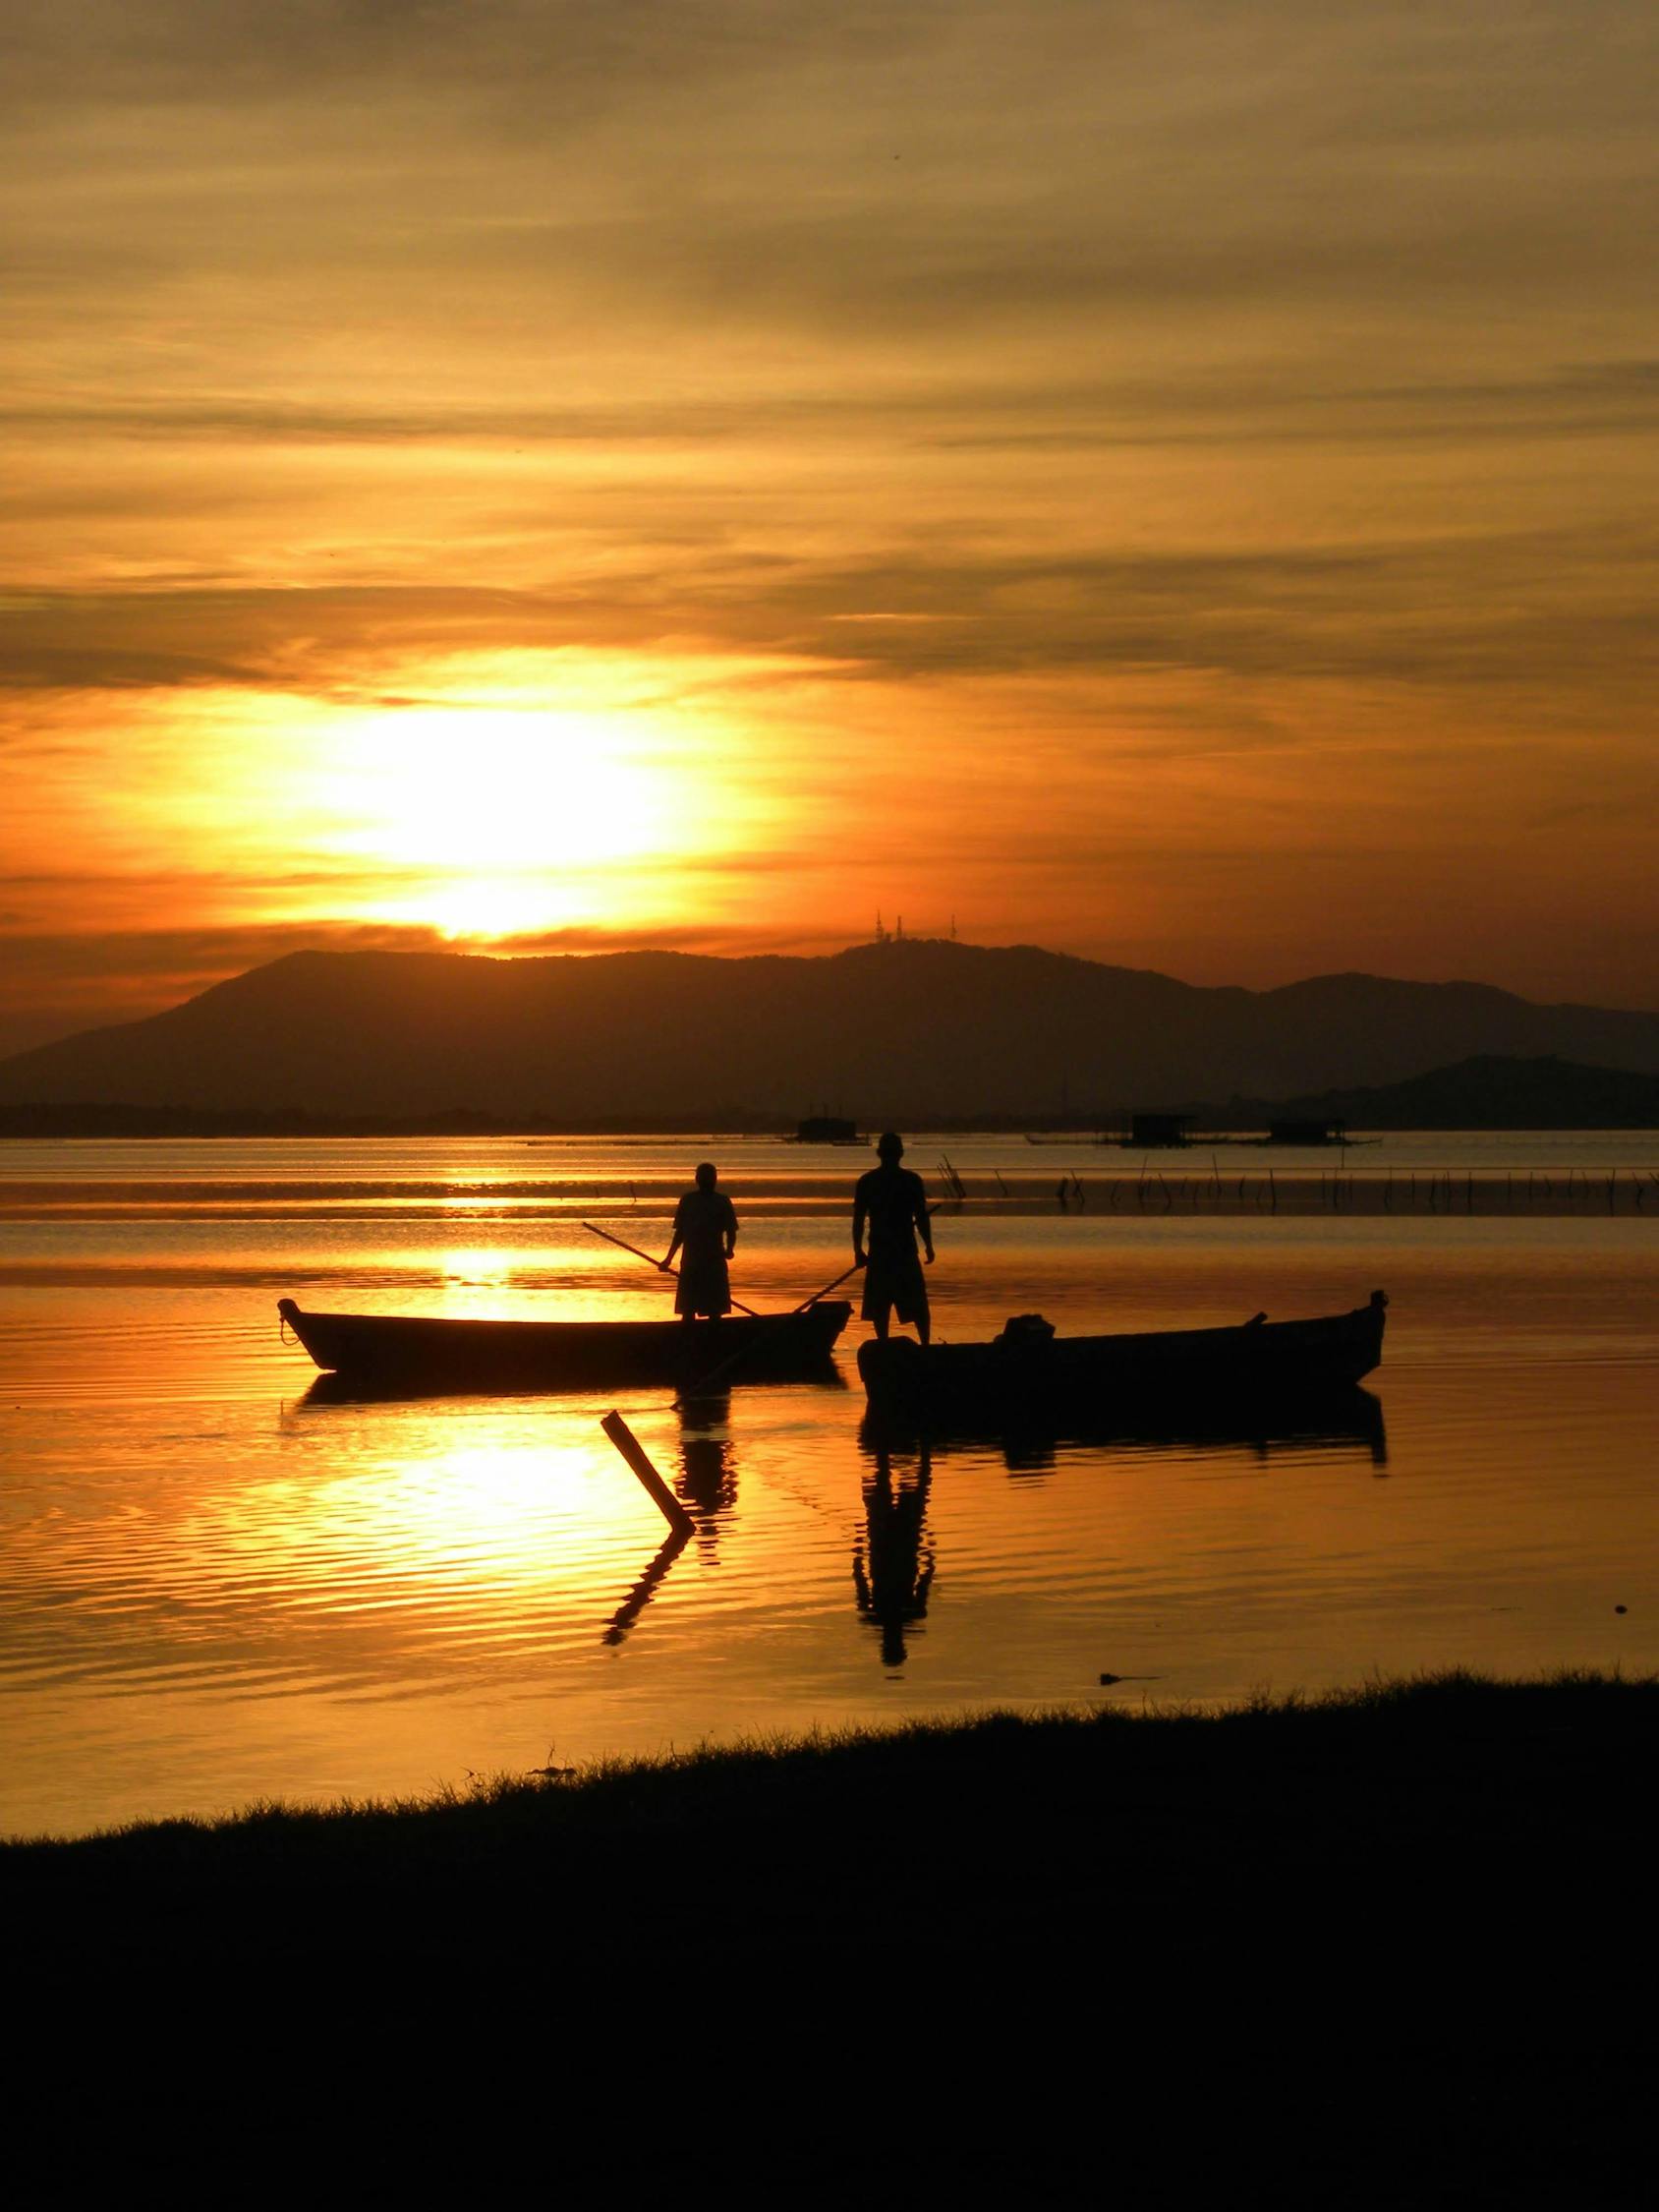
824,1292
594,1228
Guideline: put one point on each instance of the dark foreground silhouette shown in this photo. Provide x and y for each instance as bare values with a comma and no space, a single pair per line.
1392,1948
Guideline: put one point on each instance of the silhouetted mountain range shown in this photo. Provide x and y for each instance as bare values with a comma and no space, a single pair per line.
1488,1091
916,1031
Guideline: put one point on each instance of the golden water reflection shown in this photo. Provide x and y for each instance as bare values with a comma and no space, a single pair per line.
517,1530
225,1579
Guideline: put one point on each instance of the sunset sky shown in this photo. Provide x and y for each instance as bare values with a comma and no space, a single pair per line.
1171,482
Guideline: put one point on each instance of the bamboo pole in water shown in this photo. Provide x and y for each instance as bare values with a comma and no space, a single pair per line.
657,1491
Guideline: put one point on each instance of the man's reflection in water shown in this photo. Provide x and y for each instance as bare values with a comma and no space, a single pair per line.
707,1482
892,1568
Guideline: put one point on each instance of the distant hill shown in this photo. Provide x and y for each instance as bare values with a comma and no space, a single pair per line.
1488,1091
916,1032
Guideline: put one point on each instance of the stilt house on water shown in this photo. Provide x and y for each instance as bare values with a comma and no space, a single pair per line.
1158,1133
826,1129
1307,1133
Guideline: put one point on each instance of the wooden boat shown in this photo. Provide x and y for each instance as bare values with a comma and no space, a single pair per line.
462,1354
1028,1373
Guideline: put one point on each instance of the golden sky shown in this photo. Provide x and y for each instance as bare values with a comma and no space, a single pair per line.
1167,480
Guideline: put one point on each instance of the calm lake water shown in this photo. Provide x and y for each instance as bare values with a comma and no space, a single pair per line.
220,1589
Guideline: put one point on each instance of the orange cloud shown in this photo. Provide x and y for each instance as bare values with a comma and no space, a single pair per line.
1168,486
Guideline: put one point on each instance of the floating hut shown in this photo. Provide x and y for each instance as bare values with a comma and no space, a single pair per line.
1158,1133
1307,1133
826,1129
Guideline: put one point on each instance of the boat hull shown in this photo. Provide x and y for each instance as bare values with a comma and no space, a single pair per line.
431,1353
1033,1380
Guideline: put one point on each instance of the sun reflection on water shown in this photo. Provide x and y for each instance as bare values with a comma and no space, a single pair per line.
224,1581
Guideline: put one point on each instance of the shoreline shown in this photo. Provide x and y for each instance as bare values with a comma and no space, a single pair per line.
1388,1947
1448,1753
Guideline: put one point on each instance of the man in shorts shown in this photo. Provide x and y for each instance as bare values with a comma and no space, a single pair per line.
891,1204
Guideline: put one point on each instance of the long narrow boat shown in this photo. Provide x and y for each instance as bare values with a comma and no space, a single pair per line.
1029,1374
434,1353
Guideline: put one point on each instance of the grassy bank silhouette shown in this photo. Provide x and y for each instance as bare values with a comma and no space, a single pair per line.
1389,1947
1006,1829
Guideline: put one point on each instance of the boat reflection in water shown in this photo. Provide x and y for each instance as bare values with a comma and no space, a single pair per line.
892,1563
700,1409
1029,1441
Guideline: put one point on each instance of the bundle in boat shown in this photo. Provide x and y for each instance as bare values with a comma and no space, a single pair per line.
1029,1372
428,1352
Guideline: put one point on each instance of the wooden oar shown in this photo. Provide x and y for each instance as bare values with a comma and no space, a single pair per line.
594,1228
840,1279
828,1288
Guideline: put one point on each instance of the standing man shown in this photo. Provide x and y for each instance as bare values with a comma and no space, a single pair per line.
891,1203
706,1225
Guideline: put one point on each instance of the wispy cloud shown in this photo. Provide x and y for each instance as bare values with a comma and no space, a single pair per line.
1559,618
